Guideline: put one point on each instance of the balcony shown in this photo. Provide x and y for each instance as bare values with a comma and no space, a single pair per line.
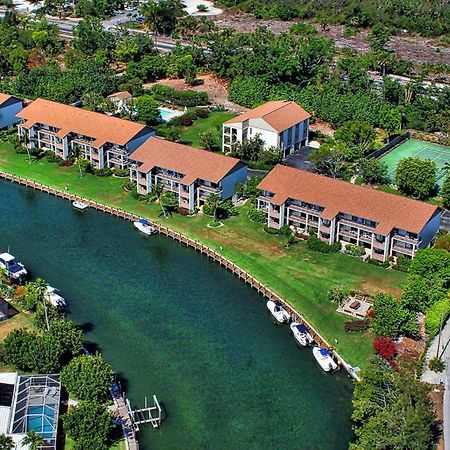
164,176
365,237
275,214
184,194
210,189
408,239
402,249
348,232
379,245
315,212
356,224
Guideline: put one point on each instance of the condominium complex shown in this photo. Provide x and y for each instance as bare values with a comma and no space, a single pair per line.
191,173
384,224
9,107
103,140
281,124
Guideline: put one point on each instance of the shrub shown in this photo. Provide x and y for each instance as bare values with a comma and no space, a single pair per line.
354,250
375,262
403,263
202,113
53,158
337,294
440,310
443,242
121,172
270,230
129,186
385,347
185,120
354,326
436,365
227,209
316,244
105,172
186,97
285,230
256,215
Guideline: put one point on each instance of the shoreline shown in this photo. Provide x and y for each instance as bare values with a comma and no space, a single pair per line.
203,249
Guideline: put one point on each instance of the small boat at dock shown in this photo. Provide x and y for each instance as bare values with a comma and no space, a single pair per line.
278,312
14,270
144,227
301,334
55,299
324,359
80,205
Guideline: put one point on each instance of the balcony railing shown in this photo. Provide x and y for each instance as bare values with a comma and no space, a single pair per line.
305,209
356,224
401,249
210,189
408,239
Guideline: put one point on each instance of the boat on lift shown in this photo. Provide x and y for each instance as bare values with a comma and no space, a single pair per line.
14,270
323,357
55,299
278,312
144,227
301,333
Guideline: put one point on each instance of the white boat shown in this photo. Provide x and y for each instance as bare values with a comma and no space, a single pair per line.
80,205
301,334
277,310
144,227
14,270
55,299
324,359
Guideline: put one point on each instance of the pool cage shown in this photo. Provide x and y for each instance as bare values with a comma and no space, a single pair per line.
37,407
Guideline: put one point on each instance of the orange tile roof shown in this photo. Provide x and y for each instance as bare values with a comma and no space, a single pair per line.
100,127
4,97
280,114
123,95
388,210
193,163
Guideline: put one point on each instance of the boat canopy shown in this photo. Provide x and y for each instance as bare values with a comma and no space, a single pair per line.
302,328
143,221
7,257
324,352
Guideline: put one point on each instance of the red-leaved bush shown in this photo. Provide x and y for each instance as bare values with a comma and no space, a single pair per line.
385,347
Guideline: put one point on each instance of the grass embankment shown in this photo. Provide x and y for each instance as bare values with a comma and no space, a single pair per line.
299,275
120,445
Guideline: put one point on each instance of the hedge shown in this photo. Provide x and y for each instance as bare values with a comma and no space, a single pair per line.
316,244
187,97
434,315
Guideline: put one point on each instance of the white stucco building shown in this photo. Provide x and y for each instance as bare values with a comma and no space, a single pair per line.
281,124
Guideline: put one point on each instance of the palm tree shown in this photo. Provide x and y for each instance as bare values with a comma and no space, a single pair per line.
34,440
6,442
157,190
213,202
39,289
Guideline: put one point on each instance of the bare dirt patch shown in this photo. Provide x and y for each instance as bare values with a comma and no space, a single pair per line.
215,87
375,284
416,49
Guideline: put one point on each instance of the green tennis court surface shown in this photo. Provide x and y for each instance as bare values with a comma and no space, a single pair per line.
440,154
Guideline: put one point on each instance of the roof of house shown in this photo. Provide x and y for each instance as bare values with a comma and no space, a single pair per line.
337,196
280,114
101,127
5,97
123,95
193,163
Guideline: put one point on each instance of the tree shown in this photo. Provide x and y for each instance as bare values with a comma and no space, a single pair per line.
392,410
212,204
34,440
337,294
38,289
17,348
208,140
249,149
358,136
147,109
422,292
392,319
70,338
416,177
88,378
96,102
373,171
379,37
6,442
432,263
89,424
445,192
89,36
328,160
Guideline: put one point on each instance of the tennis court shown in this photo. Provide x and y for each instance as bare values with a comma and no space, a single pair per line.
440,154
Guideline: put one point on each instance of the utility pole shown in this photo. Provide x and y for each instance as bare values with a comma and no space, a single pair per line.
440,332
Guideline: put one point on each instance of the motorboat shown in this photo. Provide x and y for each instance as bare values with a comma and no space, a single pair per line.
144,227
301,334
277,310
80,205
55,299
14,270
324,359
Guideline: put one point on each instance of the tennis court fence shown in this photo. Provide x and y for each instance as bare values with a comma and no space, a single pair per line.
389,146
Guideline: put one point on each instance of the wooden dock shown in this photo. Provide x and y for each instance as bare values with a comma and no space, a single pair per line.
197,246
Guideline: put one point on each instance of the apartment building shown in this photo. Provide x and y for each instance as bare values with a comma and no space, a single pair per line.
191,173
9,107
103,140
281,124
384,224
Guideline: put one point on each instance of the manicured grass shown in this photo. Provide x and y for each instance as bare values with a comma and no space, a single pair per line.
190,135
120,445
299,275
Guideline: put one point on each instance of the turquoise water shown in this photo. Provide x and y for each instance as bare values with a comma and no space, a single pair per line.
164,113
173,324
41,419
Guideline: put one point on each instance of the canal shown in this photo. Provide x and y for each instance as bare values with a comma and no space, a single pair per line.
174,324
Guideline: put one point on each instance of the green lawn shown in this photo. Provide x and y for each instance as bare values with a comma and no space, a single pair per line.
300,276
121,445
214,121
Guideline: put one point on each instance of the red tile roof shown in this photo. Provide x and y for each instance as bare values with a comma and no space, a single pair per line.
193,163
4,98
68,119
280,115
388,210
123,95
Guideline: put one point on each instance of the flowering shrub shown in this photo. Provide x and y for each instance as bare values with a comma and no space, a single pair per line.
385,347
